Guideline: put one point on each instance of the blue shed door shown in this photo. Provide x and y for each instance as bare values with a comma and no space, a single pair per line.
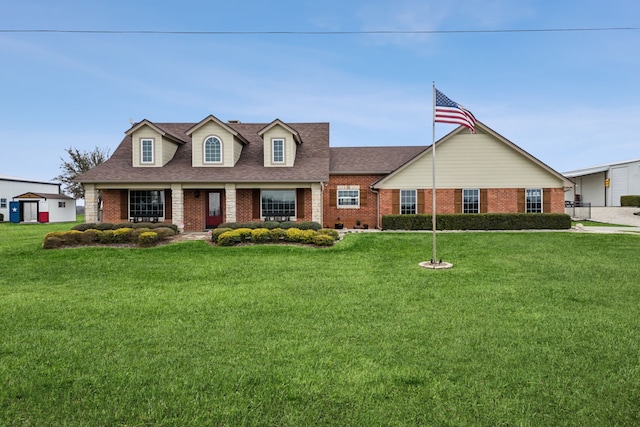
14,211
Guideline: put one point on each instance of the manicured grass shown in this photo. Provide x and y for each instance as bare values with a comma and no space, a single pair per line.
526,329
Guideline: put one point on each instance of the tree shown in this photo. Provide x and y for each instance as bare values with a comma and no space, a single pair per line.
78,163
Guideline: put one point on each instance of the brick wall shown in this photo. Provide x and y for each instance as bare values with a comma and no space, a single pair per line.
244,206
557,200
499,200
366,213
194,210
502,200
111,206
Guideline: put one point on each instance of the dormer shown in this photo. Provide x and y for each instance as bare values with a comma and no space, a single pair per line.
152,146
215,144
280,144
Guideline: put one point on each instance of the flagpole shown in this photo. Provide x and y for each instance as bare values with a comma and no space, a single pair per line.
433,175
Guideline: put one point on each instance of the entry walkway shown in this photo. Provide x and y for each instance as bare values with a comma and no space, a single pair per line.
606,230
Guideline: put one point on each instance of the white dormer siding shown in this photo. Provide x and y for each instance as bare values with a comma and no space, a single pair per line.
150,148
200,136
210,128
281,139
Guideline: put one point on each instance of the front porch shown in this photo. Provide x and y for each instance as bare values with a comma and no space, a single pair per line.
197,208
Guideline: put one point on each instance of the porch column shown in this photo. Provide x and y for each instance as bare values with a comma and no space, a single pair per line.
90,203
230,205
177,206
316,202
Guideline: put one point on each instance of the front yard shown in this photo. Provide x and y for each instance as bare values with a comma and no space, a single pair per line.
526,329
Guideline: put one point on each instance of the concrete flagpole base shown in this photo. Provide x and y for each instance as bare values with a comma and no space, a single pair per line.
436,265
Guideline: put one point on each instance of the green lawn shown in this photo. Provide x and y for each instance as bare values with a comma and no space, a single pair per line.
531,329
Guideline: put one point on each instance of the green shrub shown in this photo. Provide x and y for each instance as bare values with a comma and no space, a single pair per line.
633,201
54,239
164,232
215,233
270,225
243,233
148,238
229,225
229,238
72,237
293,235
321,239
122,225
1,217
89,236
309,225
329,232
85,226
519,221
285,225
106,236
407,222
122,235
307,236
277,234
136,232
260,235
103,226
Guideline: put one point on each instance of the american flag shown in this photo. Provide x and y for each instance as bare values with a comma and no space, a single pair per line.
447,111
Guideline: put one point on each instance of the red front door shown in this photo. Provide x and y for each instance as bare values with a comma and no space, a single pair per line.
214,209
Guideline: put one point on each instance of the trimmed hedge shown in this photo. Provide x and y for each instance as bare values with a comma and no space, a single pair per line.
519,221
134,225
229,237
140,236
630,201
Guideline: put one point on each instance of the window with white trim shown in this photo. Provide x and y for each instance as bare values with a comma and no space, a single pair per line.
471,200
277,150
212,150
348,196
3,203
279,203
534,200
146,203
408,202
62,204
146,151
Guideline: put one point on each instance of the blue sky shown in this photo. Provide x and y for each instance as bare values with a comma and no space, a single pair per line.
568,98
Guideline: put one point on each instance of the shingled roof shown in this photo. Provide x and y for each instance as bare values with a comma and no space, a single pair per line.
311,164
371,160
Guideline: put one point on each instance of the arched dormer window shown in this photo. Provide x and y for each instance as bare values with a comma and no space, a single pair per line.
212,150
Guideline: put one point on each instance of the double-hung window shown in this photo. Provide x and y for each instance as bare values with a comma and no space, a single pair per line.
279,203
534,200
348,197
408,202
146,151
277,153
3,203
212,150
471,200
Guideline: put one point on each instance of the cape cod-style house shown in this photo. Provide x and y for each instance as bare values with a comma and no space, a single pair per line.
199,175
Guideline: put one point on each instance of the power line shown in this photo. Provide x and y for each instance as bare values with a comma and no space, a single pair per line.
321,33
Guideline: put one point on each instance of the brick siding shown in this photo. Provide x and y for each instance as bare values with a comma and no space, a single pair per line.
111,206
367,214
194,210
499,200
244,206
